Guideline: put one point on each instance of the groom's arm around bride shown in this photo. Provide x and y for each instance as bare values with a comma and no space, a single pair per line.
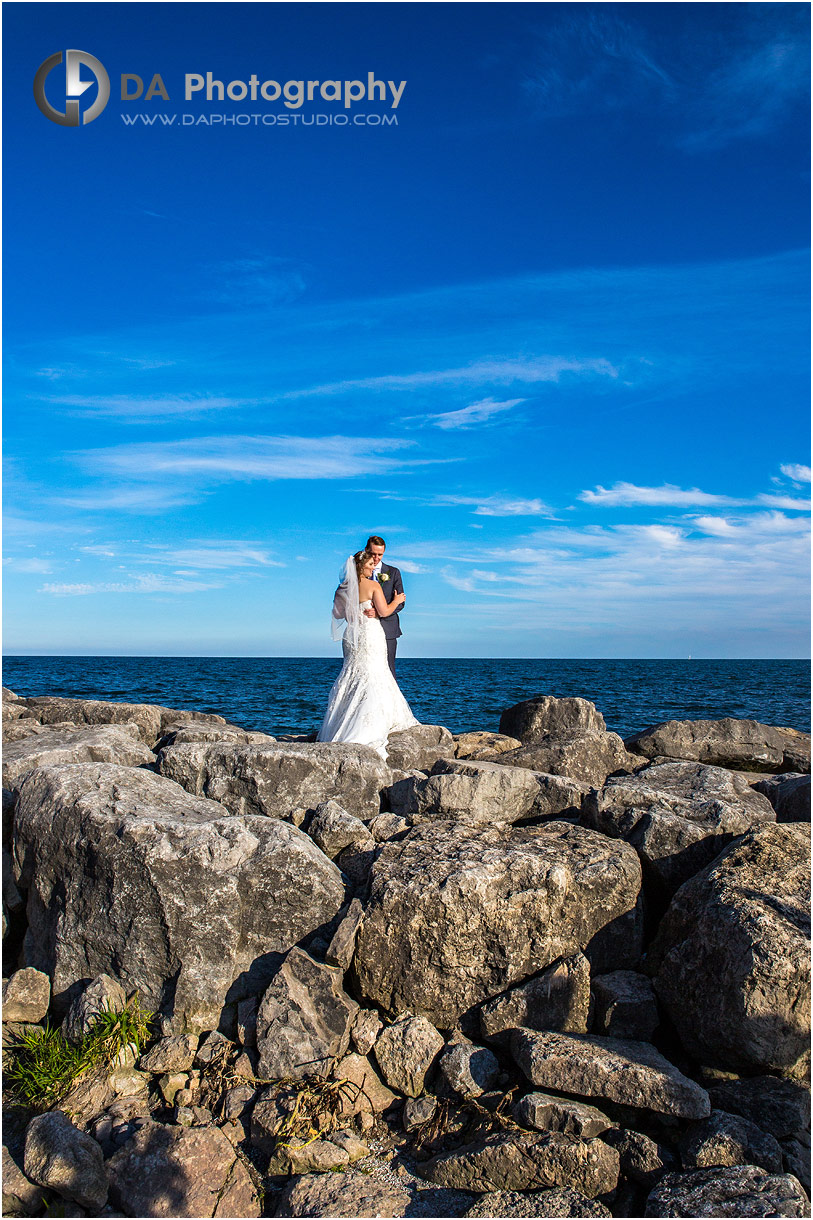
391,584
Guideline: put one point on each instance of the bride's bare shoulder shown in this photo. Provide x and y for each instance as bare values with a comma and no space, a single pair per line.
366,588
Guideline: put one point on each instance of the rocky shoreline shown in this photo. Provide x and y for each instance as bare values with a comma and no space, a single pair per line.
534,972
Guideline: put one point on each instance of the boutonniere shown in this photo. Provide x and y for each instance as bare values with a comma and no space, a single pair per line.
382,576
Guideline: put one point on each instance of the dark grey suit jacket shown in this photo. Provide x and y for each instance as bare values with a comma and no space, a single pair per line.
391,625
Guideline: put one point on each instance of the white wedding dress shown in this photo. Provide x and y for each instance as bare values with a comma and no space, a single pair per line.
365,704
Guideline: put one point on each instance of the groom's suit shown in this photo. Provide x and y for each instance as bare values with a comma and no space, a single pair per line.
390,580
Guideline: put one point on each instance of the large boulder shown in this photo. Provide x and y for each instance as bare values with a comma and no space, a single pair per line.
419,748
151,718
731,958
120,743
128,874
678,816
352,1193
406,1051
525,1161
742,745
780,1107
728,1139
103,994
546,716
743,1190
26,996
473,792
304,1019
558,998
181,1171
59,1155
789,795
615,1069
559,1201
481,744
587,757
281,780
196,731
458,914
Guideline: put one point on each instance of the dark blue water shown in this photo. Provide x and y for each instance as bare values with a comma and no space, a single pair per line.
288,695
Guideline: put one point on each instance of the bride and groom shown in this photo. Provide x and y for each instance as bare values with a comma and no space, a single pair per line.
365,704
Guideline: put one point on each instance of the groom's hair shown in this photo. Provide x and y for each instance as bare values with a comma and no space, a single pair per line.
374,540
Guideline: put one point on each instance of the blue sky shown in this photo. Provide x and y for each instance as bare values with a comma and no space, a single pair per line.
548,333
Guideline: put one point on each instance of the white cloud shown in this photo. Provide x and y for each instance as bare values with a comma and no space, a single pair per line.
475,413
799,474
628,495
41,566
498,505
126,406
148,583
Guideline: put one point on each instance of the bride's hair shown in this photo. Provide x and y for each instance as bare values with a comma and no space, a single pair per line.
360,558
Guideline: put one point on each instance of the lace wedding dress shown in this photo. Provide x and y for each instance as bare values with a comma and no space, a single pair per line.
365,704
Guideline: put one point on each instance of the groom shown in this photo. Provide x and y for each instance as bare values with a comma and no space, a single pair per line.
391,583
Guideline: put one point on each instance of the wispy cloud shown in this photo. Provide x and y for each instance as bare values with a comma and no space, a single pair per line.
134,407
628,494
499,506
262,280
466,417
799,474
148,583
502,371
22,564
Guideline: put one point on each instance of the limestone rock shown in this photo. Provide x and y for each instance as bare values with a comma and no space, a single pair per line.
587,757
678,816
181,1171
343,943
21,1197
727,1139
186,732
420,747
743,1190
789,795
625,1005
469,1070
742,745
304,1019
26,996
386,826
558,998
173,1054
280,779
545,1112
366,1093
472,792
417,1111
366,1028
780,1107
332,829
65,1159
526,1162
351,1193
120,744
631,1073
643,1160
546,716
405,1052
480,744
731,957
127,873
103,994
456,916
151,718
559,1201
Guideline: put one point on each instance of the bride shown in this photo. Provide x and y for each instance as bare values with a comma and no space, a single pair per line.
365,704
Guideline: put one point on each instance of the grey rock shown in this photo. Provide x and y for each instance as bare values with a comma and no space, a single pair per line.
631,1073
731,956
481,744
559,1201
213,1048
247,1020
405,1052
26,996
742,745
279,780
152,718
789,795
65,1159
545,1112
21,1197
527,1162
678,816
625,1005
332,829
318,1156
643,1160
728,1139
469,1070
174,1054
417,1111
780,1107
460,946
796,1160
385,826
366,1028
92,1093
304,1019
351,1193
194,731
103,994
127,873
420,747
181,1171
743,1190
545,716
120,744
364,1092
356,862
355,1147
472,792
587,757
558,998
